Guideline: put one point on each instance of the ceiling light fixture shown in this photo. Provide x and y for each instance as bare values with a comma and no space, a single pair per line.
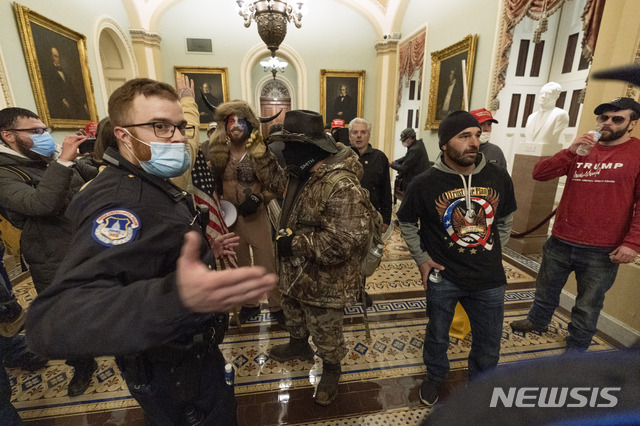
274,65
271,16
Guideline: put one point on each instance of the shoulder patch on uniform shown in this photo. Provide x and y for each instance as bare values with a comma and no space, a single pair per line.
115,227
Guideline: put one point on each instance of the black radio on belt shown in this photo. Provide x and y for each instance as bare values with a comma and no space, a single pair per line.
202,212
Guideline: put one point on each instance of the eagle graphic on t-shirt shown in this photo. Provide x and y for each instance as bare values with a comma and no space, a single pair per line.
469,227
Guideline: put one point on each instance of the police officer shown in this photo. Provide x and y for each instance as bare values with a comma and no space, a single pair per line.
129,287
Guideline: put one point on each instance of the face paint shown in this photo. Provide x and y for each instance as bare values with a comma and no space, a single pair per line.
234,122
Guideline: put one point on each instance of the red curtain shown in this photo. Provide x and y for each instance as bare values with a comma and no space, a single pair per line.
591,18
514,12
410,58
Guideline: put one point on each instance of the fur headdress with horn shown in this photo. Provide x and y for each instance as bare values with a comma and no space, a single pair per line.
218,141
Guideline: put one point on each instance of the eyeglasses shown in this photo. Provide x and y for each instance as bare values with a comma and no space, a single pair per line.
617,119
163,129
35,131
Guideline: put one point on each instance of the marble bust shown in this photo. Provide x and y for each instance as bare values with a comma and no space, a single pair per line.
545,125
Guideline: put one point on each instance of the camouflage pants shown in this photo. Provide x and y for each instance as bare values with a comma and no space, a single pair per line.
323,324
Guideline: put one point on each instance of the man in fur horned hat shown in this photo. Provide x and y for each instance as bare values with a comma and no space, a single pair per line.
248,176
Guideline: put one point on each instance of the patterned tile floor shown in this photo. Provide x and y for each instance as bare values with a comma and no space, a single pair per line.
381,375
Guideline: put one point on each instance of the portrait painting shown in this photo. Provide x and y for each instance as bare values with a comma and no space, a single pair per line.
58,68
211,87
451,76
341,94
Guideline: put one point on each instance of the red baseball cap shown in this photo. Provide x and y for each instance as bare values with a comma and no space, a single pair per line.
337,123
483,115
91,128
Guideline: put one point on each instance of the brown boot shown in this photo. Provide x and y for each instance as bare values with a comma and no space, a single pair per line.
328,386
295,349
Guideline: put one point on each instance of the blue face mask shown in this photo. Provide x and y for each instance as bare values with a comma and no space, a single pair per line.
43,144
167,159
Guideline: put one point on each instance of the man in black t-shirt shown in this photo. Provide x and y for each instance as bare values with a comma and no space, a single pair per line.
464,206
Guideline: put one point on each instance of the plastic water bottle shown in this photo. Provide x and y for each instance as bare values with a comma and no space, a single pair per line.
435,276
373,256
585,149
229,374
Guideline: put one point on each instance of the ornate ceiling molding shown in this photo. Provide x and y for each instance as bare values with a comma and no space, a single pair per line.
148,38
387,46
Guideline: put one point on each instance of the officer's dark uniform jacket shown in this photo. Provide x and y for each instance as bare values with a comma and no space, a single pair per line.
115,292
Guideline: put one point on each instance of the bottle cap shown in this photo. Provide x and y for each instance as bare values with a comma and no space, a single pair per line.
228,368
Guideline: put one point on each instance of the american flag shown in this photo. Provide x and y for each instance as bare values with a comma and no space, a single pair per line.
204,193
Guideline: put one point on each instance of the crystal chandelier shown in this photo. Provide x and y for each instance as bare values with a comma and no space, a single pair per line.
271,16
274,65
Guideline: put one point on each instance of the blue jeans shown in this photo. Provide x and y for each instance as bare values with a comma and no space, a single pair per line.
595,274
486,313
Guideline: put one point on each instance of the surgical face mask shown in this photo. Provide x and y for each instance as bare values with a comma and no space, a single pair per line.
43,144
167,159
405,144
484,137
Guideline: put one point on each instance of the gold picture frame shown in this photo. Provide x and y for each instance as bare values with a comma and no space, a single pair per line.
332,103
58,68
218,81
446,65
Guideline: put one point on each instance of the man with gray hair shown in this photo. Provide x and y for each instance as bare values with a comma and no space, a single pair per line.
376,168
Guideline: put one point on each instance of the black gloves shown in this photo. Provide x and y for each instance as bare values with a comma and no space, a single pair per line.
250,205
284,241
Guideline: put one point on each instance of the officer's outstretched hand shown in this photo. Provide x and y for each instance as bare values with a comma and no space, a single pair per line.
203,290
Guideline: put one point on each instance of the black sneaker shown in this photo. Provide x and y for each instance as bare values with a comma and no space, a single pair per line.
429,392
27,361
525,326
81,379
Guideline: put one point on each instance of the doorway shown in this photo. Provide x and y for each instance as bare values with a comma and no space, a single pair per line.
274,97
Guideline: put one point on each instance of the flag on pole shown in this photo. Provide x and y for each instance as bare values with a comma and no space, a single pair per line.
204,193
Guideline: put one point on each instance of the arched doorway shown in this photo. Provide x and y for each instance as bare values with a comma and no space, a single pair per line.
274,97
116,66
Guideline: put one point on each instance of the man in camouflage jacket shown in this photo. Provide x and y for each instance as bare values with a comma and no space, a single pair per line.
322,241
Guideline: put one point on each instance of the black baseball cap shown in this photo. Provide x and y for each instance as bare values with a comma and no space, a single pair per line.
617,104
407,133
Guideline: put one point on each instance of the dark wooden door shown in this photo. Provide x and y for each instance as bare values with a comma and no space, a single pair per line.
269,107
